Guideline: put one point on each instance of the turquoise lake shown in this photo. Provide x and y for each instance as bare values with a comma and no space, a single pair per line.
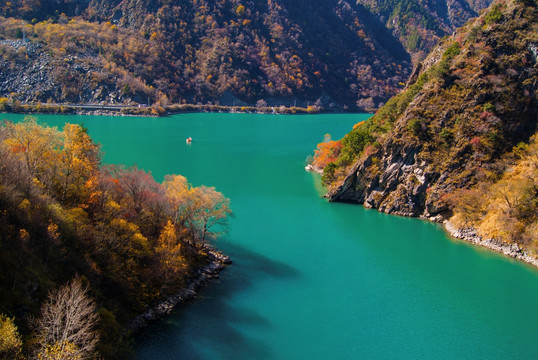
313,279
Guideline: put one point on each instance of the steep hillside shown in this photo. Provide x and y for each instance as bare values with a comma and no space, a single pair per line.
76,62
336,53
463,125
204,51
133,241
419,25
42,9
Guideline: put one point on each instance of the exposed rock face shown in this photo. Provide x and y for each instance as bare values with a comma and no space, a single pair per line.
399,189
313,168
34,75
479,100
458,11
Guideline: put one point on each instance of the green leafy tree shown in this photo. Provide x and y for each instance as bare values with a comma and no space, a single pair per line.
495,15
328,176
415,126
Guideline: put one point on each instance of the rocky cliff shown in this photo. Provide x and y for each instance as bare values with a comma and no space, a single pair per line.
30,73
454,126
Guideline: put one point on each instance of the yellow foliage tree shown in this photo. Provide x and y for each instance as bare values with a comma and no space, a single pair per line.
10,339
209,208
200,208
507,209
240,10
169,249
60,351
177,192
36,146
79,162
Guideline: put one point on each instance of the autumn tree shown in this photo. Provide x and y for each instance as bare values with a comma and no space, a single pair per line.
122,252
132,194
67,351
36,145
209,208
13,174
66,328
10,339
139,186
198,208
513,206
178,192
169,249
326,152
468,205
505,209
79,162
240,10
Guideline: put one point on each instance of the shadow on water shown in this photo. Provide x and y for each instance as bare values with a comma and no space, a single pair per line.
252,265
212,320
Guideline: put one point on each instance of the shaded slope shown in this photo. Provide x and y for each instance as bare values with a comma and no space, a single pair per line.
419,25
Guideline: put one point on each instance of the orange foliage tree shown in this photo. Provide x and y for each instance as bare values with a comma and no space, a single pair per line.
326,152
113,225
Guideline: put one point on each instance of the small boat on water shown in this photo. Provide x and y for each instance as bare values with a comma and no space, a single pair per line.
189,140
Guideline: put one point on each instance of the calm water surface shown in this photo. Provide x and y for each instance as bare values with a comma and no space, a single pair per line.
310,279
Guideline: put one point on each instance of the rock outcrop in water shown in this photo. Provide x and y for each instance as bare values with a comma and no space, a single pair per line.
399,189
453,130
473,104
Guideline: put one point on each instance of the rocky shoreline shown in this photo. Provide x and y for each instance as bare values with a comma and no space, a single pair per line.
470,235
154,111
201,278
313,168
513,250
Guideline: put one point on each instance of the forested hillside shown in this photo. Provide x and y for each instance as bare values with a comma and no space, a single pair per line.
94,245
420,25
458,142
326,53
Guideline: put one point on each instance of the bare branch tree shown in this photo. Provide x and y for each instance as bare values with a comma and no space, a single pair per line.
68,321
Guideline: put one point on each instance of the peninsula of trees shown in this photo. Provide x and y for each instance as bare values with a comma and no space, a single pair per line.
84,248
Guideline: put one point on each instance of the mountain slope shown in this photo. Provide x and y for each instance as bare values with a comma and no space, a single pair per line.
335,53
419,25
200,51
453,129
